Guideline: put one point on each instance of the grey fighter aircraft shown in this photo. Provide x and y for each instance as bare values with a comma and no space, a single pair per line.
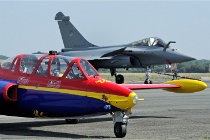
139,54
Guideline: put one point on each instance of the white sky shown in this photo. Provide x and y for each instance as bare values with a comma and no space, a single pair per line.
27,27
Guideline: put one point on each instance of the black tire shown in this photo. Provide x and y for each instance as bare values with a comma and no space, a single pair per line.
145,82
72,121
119,79
120,129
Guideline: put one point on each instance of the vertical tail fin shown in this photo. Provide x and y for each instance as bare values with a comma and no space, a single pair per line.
70,35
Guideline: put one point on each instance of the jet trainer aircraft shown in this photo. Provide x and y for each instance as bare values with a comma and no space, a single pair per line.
55,86
139,54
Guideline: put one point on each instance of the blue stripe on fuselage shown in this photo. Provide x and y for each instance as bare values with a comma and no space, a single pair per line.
54,104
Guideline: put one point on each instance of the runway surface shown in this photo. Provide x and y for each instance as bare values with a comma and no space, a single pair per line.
162,115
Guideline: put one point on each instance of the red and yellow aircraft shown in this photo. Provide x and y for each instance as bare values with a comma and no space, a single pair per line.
54,86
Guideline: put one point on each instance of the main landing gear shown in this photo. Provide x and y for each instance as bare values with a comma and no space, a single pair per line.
148,76
120,120
119,79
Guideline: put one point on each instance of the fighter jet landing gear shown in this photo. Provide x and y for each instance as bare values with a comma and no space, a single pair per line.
148,76
120,120
72,121
119,79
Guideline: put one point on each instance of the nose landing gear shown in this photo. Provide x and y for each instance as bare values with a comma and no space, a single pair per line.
120,120
120,129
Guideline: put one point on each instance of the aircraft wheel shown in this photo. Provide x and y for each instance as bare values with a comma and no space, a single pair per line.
147,82
119,79
72,121
120,129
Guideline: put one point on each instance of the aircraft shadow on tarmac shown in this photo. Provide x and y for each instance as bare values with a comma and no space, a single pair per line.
24,128
158,117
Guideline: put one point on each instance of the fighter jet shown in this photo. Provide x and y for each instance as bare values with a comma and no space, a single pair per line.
139,54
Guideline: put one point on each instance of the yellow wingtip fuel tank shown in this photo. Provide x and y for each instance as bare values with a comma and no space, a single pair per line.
186,86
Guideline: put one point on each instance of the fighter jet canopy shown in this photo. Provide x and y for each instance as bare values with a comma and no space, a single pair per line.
151,41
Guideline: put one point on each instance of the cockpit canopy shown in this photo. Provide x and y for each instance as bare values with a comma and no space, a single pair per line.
151,41
50,65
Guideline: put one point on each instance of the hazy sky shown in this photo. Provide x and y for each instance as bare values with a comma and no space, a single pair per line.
27,27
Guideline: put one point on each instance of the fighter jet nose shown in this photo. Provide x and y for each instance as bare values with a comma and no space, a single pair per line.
179,57
189,58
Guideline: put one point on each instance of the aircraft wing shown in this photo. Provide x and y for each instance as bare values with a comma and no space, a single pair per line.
115,52
178,86
94,53
149,86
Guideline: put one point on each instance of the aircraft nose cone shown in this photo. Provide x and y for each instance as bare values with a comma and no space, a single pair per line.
178,57
132,99
187,58
125,103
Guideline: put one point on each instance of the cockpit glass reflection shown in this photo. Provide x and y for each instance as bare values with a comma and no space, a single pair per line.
152,41
88,68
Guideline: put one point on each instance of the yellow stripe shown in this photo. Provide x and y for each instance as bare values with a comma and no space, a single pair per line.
73,92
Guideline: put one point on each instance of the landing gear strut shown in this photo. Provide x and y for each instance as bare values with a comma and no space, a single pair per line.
120,120
148,76
119,79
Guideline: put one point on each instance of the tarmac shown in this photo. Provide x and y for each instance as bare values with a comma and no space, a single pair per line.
162,115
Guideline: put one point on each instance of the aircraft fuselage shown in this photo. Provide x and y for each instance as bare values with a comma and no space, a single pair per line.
131,57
